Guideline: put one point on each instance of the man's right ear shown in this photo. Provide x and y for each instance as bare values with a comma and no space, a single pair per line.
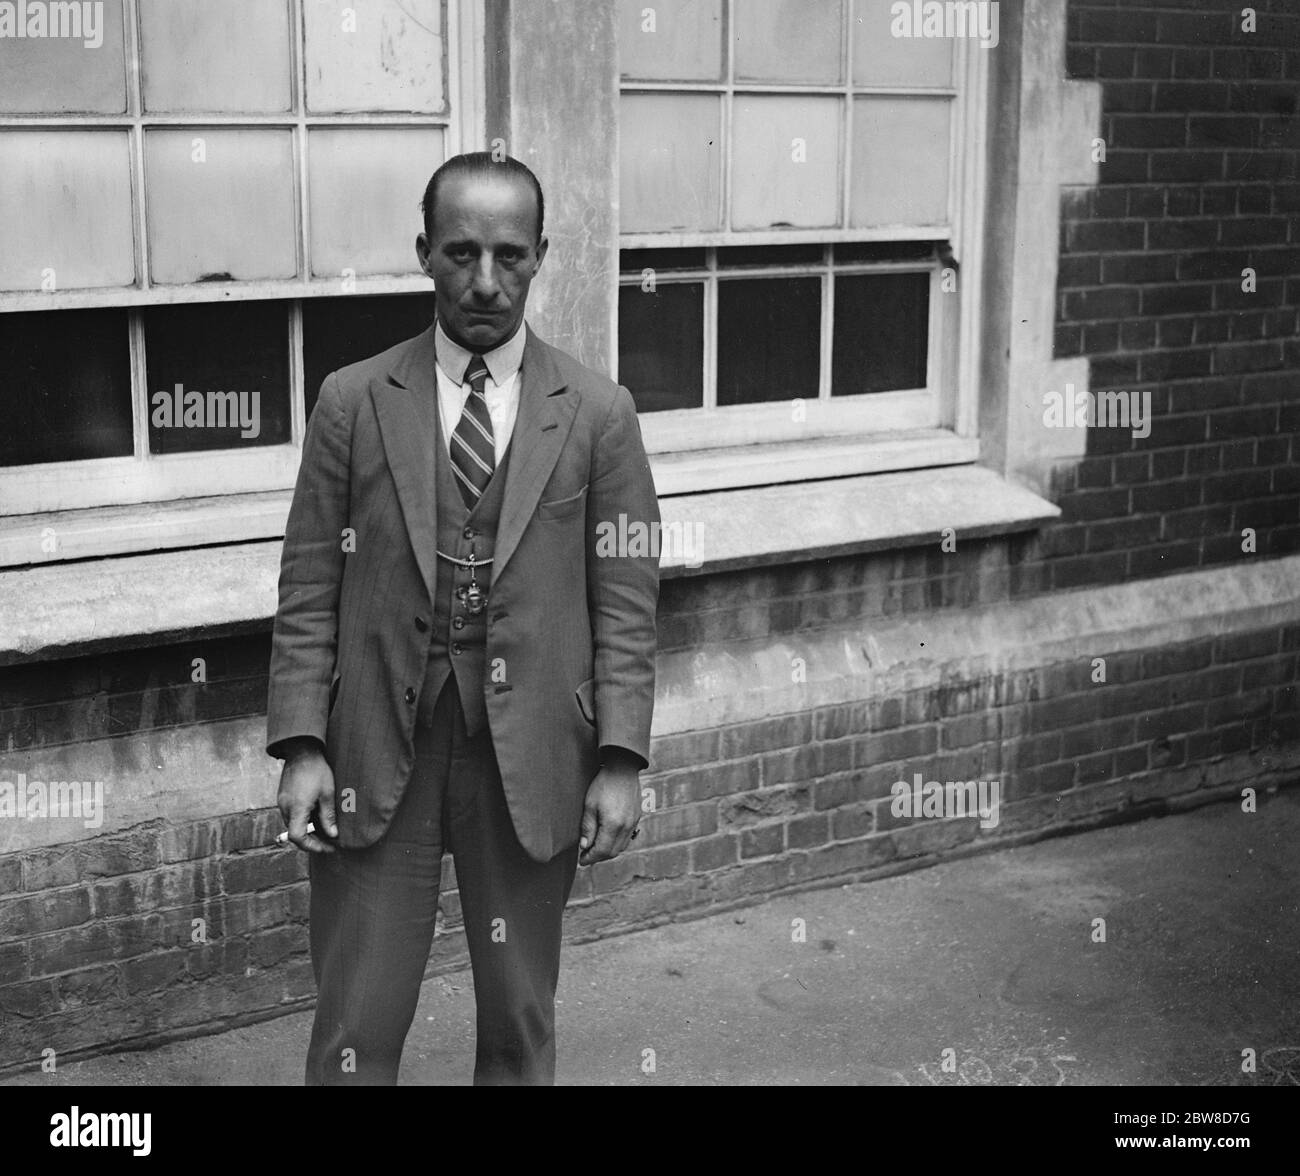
422,253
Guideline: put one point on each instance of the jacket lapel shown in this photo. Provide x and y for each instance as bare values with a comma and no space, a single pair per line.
547,407
405,407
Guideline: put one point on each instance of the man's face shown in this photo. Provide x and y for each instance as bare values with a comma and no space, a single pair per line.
482,256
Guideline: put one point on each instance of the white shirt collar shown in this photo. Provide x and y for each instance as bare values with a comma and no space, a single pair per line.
502,361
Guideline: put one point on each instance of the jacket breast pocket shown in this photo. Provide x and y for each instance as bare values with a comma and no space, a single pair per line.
563,508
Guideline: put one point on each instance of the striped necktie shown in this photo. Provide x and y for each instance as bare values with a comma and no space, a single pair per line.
473,455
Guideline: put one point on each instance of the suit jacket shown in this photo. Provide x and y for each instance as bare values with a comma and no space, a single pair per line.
570,658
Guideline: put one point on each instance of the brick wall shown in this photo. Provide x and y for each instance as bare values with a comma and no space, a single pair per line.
1199,182
99,942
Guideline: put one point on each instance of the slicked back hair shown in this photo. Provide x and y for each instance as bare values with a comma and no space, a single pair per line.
484,165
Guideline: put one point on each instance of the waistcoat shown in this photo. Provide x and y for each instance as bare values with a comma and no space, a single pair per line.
458,638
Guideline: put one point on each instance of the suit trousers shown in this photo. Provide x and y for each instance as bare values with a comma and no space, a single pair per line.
373,912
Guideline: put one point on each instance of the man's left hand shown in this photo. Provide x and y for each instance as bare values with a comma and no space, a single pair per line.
612,811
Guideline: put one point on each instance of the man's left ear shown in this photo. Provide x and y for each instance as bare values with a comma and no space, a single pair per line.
542,246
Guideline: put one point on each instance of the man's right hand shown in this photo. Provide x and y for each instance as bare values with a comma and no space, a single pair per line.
307,788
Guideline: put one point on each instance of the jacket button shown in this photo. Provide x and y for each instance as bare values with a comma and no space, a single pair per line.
422,624
469,532
457,622
410,694
457,647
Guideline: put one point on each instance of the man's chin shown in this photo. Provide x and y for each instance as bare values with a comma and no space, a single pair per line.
482,334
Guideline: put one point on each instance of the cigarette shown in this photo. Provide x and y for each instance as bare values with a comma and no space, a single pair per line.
283,838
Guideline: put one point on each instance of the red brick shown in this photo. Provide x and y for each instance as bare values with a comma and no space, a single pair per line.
678,788
859,820
864,784
1093,768
225,956
679,824
271,948
169,886
762,804
1059,713
928,837
801,764
45,869
30,999
713,853
63,951
1238,646
90,986
1046,778
260,870
1079,741
1030,751
106,857
808,831
907,743
747,738
50,911
687,750
762,840
844,857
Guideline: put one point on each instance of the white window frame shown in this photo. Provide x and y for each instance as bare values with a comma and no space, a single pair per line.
949,402
144,477
676,430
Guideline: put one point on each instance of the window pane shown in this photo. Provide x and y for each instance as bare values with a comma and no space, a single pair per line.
676,40
669,169
366,187
340,331
881,332
785,162
769,339
383,55
221,205
218,375
200,56
65,204
635,260
900,162
789,40
738,255
661,345
65,74
881,59
885,251
65,381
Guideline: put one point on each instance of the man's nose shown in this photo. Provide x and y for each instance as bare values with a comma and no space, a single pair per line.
485,286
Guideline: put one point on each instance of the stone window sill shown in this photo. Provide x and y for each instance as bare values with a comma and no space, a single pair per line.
86,605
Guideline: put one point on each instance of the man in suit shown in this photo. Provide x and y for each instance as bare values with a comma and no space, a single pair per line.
455,666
